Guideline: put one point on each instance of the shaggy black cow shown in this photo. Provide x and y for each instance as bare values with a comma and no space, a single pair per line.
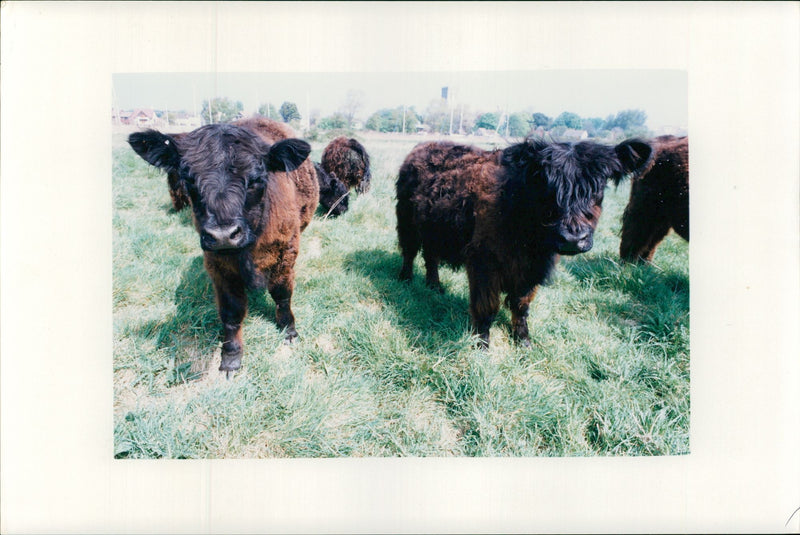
252,191
349,161
506,214
333,193
659,200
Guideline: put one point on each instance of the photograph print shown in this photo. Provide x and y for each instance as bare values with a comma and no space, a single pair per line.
407,264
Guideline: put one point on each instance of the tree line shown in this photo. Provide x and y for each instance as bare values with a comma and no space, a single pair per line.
440,117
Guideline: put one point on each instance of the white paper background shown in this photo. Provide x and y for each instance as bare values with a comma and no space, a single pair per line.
58,474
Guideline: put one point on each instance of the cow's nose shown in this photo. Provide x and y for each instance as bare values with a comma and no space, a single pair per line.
223,237
576,236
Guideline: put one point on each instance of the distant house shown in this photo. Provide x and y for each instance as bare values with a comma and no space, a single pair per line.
138,117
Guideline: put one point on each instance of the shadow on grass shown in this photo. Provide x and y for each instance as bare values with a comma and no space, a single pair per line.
192,334
657,300
431,317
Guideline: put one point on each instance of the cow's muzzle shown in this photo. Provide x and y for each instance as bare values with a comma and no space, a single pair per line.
225,238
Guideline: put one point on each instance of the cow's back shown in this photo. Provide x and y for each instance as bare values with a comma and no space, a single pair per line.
446,188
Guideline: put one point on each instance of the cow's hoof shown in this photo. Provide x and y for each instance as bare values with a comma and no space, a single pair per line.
291,338
230,363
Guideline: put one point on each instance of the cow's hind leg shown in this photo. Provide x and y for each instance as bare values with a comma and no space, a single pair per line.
432,270
408,237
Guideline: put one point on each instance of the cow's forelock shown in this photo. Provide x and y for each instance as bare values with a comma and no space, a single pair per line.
577,174
222,159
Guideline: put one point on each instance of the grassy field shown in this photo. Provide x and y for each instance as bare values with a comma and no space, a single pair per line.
385,368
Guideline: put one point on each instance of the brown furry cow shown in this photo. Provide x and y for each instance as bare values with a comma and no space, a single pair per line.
252,191
349,161
659,200
506,214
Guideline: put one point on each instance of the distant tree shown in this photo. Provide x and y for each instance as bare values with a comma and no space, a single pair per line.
268,110
412,120
353,102
289,112
489,121
314,116
221,110
437,116
518,125
593,125
540,119
375,122
630,121
391,120
568,119
332,122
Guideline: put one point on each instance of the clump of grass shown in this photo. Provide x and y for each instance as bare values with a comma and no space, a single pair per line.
383,367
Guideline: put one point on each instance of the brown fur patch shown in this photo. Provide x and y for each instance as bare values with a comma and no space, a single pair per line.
659,200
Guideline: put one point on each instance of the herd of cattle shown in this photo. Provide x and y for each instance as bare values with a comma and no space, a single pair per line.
506,215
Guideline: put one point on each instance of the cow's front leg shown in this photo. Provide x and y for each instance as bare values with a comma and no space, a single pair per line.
484,299
281,286
232,306
519,303
282,295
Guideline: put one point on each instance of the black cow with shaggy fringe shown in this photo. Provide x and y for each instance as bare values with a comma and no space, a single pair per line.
506,215
333,193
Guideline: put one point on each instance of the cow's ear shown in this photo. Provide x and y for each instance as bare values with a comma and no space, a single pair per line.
287,155
634,155
156,149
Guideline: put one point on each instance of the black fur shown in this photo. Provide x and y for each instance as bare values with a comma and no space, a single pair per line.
332,191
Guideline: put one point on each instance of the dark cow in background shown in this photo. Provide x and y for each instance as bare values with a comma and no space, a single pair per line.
659,200
349,161
252,191
333,193
506,214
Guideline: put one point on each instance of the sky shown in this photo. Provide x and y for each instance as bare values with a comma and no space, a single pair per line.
662,94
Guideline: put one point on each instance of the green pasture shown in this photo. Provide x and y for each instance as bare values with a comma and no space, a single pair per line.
384,368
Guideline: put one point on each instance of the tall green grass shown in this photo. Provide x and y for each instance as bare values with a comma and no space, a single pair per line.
385,368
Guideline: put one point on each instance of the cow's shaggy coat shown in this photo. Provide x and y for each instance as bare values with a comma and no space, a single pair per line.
252,191
333,193
506,214
349,161
659,200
